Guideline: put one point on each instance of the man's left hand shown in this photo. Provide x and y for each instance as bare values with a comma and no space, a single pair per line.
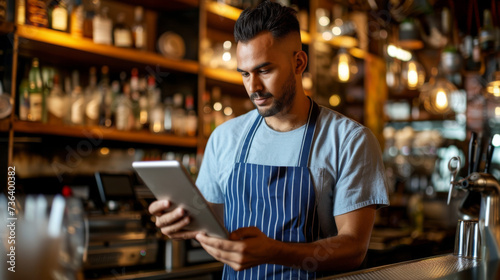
246,247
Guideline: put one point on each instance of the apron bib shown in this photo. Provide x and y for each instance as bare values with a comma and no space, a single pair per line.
279,200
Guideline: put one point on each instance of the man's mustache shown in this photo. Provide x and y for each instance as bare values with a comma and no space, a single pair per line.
255,95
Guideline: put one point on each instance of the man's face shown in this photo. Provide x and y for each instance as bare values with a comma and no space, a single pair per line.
268,75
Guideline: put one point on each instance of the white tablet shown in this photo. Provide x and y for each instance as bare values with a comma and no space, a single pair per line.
170,180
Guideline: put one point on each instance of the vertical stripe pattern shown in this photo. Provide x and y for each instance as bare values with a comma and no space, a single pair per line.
279,200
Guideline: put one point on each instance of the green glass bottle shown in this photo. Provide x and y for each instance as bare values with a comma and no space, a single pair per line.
35,92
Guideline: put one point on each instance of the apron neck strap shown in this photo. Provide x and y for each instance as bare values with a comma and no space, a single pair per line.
306,139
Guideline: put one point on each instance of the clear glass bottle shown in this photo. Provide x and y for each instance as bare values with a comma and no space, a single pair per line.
35,92
139,31
77,101
122,35
92,99
106,94
124,110
157,113
102,28
57,103
487,32
179,115
167,118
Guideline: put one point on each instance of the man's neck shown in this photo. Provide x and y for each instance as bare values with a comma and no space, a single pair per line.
296,117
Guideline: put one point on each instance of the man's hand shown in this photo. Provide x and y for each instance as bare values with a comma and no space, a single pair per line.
171,221
246,247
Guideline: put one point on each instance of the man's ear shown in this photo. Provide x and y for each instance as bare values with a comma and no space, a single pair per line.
300,62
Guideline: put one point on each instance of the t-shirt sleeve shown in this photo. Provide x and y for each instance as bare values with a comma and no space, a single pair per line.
208,177
361,178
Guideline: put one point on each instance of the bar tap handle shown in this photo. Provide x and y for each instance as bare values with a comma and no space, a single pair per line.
472,151
489,155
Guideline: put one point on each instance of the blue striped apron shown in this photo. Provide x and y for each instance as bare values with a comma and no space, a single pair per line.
279,200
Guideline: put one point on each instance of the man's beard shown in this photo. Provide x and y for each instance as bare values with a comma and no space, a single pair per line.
281,104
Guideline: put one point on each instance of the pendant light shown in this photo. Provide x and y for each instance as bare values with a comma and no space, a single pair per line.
413,74
493,87
436,94
343,67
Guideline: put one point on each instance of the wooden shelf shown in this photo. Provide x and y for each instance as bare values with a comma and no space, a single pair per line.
96,132
61,39
223,75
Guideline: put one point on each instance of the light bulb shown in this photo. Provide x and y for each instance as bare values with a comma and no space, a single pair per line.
441,100
343,67
493,87
413,74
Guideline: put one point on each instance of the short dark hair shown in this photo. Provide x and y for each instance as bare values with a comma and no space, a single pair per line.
267,16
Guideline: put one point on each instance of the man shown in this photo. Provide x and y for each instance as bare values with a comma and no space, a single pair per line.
297,184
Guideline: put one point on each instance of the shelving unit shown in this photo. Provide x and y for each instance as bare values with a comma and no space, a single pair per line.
105,134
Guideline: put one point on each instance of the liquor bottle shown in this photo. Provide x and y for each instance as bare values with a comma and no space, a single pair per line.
92,99
57,103
487,32
47,80
106,94
139,32
191,119
167,118
179,115
122,36
90,10
21,12
67,91
207,114
102,27
36,13
35,92
77,19
24,100
156,114
58,15
124,110
77,101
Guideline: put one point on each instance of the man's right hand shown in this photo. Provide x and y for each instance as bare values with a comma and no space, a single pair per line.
170,220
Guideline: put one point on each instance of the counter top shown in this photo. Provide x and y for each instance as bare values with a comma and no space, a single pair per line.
438,267
196,270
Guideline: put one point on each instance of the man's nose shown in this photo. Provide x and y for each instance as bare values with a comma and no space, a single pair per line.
254,84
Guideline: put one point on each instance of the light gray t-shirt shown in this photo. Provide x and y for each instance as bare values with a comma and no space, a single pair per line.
345,162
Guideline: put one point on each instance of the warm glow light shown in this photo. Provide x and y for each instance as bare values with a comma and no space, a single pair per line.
398,53
327,36
336,31
104,151
334,100
227,45
228,111
493,88
344,74
497,112
324,21
157,127
217,106
441,100
338,21
412,75
226,56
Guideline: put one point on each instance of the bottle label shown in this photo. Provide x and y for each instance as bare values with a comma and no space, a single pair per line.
77,19
60,19
140,38
122,38
55,106
92,110
36,106
102,31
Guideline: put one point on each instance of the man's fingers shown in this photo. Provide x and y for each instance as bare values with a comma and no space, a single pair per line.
158,207
169,218
175,227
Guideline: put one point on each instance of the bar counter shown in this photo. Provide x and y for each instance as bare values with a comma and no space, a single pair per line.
446,266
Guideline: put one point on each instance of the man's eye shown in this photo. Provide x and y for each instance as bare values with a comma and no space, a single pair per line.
244,74
264,71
